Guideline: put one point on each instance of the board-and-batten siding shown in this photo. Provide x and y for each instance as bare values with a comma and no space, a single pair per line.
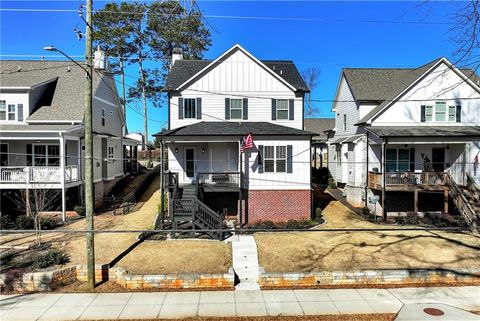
238,77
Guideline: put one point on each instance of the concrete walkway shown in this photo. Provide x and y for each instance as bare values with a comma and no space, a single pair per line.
233,303
245,262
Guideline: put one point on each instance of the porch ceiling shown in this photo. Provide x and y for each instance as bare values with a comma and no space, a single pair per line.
425,131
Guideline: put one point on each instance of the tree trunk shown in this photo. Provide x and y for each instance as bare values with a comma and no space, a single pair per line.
144,97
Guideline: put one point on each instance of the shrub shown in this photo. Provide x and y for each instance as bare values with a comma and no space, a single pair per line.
366,211
4,222
264,225
11,277
23,222
52,257
48,223
149,164
293,224
409,219
80,210
318,215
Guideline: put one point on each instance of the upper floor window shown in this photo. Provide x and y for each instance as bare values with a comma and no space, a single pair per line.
189,108
440,112
103,117
236,108
111,152
7,112
3,110
275,159
282,109
344,122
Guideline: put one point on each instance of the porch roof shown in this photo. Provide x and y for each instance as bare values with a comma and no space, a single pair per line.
4,128
226,128
425,131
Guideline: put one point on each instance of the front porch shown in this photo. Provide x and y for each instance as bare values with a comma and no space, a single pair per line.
408,181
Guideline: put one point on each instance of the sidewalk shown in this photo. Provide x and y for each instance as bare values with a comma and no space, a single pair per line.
229,303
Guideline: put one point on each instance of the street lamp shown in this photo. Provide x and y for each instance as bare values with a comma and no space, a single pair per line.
89,201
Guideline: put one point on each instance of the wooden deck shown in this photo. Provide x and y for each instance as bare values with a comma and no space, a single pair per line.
409,181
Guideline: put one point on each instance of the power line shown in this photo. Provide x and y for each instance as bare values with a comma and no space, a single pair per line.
241,17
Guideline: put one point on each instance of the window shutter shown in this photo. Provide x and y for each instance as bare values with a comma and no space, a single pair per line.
20,112
412,159
289,159
291,109
245,108
458,114
29,155
227,108
199,108
260,158
422,114
274,109
180,108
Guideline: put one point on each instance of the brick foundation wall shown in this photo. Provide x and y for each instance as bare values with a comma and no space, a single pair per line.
278,205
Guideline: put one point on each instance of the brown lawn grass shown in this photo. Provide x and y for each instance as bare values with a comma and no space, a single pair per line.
148,257
347,251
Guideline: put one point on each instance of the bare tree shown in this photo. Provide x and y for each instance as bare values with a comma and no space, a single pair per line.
34,202
311,75
466,33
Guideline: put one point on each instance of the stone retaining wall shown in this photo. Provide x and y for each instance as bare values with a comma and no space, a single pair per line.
42,281
373,277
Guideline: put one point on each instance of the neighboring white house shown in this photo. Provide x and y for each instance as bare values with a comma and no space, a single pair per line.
213,104
320,126
423,131
41,129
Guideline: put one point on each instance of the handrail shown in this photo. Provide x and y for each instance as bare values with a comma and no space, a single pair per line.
207,215
462,203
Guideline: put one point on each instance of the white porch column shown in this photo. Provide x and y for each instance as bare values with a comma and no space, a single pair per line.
62,176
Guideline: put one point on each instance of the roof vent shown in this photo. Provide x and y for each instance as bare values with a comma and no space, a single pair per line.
177,54
42,58
68,69
281,72
19,68
273,67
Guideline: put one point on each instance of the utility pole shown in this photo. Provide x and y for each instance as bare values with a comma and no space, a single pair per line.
89,192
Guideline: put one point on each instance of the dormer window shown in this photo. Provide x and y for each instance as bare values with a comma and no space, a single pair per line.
3,110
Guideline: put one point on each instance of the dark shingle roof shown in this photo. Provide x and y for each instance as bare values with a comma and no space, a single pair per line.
384,84
183,70
68,97
36,127
319,126
425,131
224,128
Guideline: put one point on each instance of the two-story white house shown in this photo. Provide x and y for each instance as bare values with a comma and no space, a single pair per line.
421,128
41,130
212,105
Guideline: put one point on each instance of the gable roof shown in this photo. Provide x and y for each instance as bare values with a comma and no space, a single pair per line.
382,85
425,131
66,99
225,128
319,126
184,70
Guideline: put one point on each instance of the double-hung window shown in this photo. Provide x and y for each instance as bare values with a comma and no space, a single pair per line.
428,113
440,111
189,105
111,152
103,117
281,159
452,113
12,111
397,160
3,110
275,159
236,108
282,109
46,155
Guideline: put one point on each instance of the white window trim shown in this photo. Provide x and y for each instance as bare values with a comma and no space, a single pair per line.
46,153
275,158
236,108
447,113
111,156
7,113
287,109
194,116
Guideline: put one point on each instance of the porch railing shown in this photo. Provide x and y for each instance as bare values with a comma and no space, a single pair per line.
407,180
38,174
220,179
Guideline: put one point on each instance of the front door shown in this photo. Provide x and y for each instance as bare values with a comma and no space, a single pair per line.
190,162
438,159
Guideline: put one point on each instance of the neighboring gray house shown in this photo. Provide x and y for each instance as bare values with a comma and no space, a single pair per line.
41,129
319,142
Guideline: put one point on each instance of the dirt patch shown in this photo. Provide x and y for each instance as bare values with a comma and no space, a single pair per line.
348,251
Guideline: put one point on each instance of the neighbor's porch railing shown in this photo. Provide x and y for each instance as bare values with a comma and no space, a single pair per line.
38,174
220,179
407,180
